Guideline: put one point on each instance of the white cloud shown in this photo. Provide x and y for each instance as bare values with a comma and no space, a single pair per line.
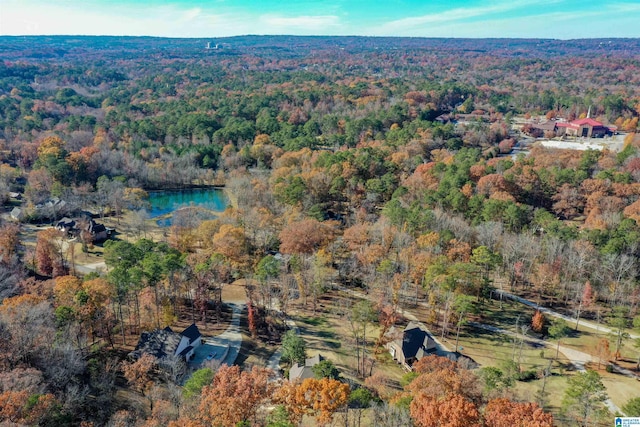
625,7
18,18
310,23
29,17
544,25
190,15
407,25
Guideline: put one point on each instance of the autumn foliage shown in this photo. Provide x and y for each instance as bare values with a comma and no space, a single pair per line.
450,410
320,398
503,412
537,322
306,236
19,407
234,396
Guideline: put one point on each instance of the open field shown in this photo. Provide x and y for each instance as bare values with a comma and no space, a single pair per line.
492,349
328,332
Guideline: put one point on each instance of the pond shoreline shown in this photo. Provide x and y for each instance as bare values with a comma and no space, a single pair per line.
191,187
166,203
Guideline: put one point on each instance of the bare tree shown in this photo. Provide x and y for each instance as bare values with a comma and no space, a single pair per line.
489,234
139,222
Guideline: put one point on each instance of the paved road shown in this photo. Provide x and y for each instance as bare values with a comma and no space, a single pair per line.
225,346
231,338
577,358
274,360
571,320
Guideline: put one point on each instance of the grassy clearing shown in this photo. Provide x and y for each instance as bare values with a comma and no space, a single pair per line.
253,352
491,349
620,388
555,388
328,332
584,339
506,314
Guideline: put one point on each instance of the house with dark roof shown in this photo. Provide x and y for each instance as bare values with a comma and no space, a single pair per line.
162,343
411,344
66,225
190,339
72,228
98,232
302,372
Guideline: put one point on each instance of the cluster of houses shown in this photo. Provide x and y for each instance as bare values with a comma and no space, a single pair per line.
51,209
406,346
73,227
54,208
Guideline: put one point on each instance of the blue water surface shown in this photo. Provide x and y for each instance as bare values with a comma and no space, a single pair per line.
166,202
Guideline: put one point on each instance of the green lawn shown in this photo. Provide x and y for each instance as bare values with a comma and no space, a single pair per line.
327,332
492,349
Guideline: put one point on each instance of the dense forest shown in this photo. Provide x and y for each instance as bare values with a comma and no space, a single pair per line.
379,166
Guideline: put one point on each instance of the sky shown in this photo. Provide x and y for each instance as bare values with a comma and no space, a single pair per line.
561,19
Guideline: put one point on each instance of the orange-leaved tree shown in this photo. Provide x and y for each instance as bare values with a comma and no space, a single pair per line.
537,321
444,394
450,410
234,396
503,412
320,398
21,407
139,373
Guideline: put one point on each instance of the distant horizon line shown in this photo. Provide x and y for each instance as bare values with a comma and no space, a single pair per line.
317,36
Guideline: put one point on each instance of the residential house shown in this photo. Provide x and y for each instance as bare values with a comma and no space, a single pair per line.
18,214
411,344
302,372
66,225
538,130
99,232
162,343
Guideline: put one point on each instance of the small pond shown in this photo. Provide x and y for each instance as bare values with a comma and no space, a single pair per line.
164,203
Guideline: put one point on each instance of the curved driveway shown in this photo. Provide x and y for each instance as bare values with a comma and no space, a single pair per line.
225,346
274,360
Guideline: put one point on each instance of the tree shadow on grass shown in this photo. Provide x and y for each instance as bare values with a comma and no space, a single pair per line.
494,337
313,321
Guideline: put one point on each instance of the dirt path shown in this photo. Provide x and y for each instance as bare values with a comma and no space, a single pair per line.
90,268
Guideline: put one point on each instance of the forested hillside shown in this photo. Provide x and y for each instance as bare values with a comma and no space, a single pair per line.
381,166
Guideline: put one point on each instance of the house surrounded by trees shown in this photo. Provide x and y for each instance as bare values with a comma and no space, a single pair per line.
410,345
163,343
